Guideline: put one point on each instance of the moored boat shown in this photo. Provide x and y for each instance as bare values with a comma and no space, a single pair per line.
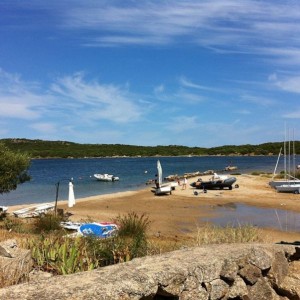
106,177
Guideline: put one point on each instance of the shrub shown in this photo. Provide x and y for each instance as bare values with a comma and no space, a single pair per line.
47,223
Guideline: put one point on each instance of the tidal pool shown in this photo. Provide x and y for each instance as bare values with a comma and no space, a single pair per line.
236,214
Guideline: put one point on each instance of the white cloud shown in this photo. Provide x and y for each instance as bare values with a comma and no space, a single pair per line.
292,115
96,101
287,83
46,128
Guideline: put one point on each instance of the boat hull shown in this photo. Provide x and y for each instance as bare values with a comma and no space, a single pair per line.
214,184
34,211
98,230
276,183
106,177
288,188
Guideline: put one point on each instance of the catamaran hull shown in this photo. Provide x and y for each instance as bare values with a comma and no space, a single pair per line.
288,188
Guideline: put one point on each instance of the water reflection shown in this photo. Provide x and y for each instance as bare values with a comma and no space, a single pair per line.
236,214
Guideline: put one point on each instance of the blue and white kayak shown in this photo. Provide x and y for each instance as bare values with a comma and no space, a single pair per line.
99,230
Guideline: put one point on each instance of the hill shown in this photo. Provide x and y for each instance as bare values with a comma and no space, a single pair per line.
65,149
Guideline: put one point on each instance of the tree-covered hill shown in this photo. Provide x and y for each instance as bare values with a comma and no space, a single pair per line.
64,149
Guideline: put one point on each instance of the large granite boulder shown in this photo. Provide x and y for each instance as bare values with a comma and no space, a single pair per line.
15,263
243,271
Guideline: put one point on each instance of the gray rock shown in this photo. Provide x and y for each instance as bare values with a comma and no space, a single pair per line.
290,286
217,289
238,289
250,274
195,273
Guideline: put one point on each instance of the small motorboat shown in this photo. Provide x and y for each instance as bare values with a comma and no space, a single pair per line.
215,182
106,177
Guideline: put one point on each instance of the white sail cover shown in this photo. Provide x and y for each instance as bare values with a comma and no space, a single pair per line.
159,173
71,201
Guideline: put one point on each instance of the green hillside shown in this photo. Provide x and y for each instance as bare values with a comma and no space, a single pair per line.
65,149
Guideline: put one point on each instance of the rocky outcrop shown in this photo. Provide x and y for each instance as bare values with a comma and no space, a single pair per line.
15,263
246,272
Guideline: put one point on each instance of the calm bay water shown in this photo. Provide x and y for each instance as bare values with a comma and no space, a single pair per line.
133,173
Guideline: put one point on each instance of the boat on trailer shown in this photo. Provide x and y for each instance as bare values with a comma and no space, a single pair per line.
215,182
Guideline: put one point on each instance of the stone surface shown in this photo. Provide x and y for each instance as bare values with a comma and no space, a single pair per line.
15,263
250,274
290,286
208,272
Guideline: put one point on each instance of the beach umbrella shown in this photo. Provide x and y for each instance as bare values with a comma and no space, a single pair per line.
71,201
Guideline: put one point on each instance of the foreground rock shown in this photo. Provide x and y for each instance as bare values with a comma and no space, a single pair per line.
243,271
15,263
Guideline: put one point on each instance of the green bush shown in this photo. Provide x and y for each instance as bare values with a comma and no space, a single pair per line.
47,223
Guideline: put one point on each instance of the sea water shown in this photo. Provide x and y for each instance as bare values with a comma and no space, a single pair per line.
49,176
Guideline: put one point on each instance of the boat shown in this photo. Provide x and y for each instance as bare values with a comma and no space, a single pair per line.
3,210
288,188
160,188
230,168
288,180
99,230
215,182
34,211
70,225
106,177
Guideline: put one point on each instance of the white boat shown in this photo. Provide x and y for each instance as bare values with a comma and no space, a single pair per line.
288,179
288,188
3,209
34,211
161,189
106,177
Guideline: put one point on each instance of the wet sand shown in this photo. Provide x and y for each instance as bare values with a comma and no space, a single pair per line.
179,214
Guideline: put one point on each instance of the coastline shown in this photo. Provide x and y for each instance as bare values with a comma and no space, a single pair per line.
180,214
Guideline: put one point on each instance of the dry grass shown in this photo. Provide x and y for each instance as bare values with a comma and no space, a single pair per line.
212,234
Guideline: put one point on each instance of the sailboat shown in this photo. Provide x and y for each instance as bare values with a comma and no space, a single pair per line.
160,188
289,184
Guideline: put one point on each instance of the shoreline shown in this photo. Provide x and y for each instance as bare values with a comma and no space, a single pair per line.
179,214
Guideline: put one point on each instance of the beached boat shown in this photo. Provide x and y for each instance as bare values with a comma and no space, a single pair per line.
215,182
70,225
106,177
160,188
288,188
98,230
288,178
34,211
3,210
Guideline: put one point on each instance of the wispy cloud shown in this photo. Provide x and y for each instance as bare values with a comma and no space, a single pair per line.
286,83
70,102
97,101
228,24
292,115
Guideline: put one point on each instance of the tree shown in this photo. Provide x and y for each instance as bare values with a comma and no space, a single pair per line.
13,169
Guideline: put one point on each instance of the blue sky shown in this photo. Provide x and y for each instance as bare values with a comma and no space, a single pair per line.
194,73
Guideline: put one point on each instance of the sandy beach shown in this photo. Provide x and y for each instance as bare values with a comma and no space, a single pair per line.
179,214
